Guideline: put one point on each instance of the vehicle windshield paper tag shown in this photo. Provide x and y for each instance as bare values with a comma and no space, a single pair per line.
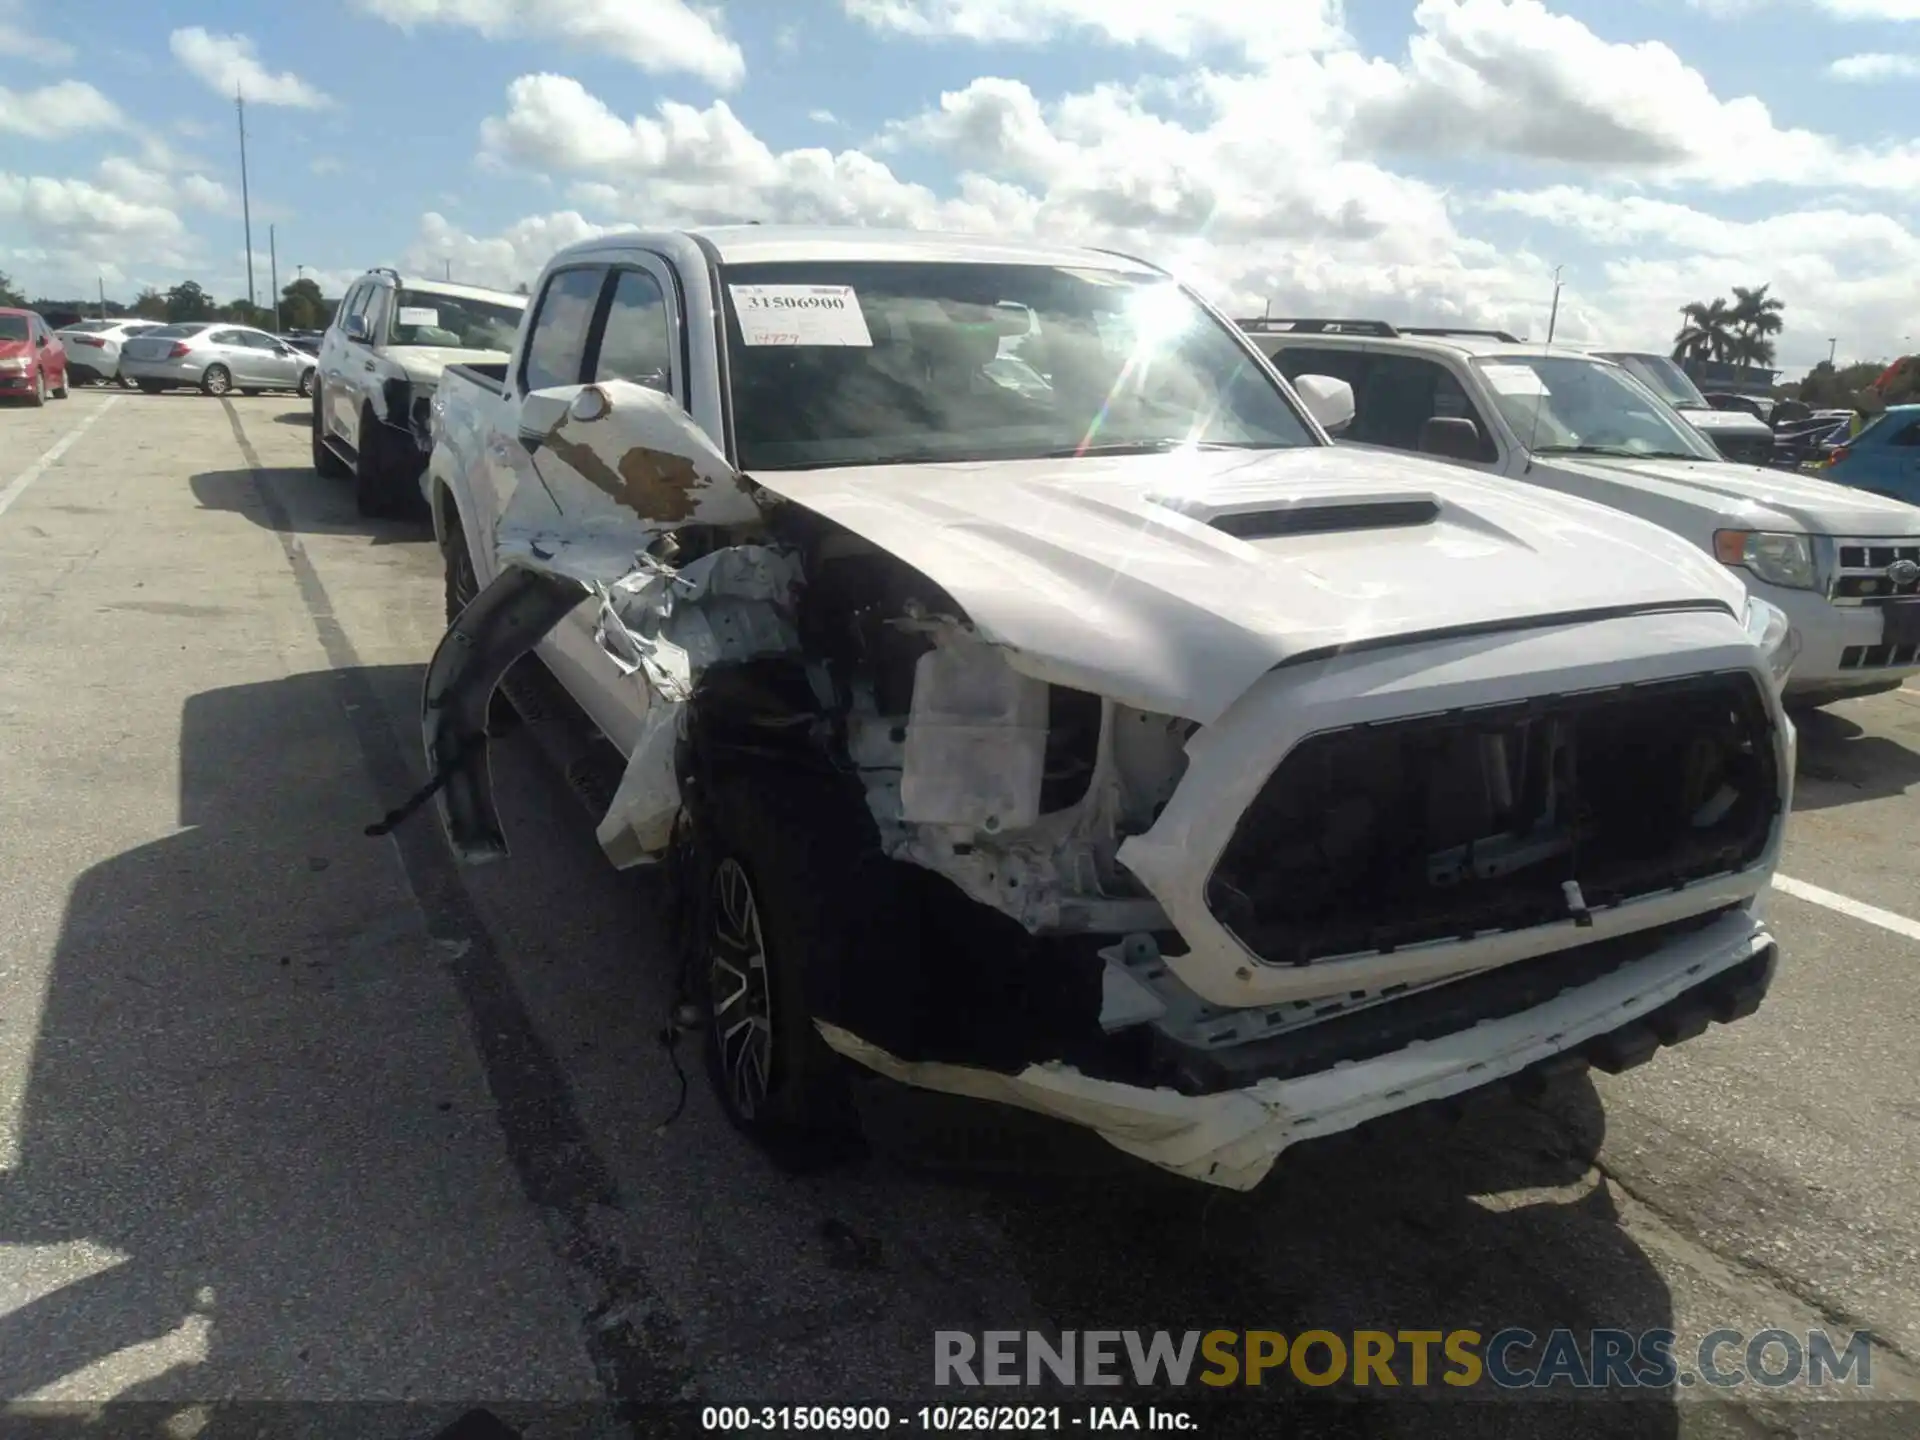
1514,380
421,316
800,315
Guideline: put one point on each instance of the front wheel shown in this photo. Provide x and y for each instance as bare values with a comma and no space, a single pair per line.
149,387
217,381
373,488
306,383
39,396
463,583
66,380
781,890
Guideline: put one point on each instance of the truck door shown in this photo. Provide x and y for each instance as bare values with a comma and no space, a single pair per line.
564,336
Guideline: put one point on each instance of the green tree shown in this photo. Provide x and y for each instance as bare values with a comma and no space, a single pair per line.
8,295
1757,319
150,304
302,307
1707,332
187,301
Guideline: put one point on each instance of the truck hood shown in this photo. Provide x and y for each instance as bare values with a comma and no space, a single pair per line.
1746,497
1115,575
424,364
1727,422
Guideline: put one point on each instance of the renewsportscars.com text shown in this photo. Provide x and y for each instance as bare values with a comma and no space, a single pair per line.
1509,1359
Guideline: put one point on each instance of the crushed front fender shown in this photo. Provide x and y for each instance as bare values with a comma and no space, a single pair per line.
504,621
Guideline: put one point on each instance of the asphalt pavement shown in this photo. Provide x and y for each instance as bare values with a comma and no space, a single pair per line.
288,1113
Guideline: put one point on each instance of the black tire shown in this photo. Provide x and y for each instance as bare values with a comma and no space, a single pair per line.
150,387
127,382
39,395
782,882
326,464
66,384
374,492
306,386
217,380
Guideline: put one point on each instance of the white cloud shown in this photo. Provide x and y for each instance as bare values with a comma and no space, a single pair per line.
659,36
514,257
227,64
326,165
1183,28
1875,67
159,186
23,44
67,108
71,231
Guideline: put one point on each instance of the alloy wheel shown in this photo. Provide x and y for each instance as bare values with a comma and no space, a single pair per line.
738,989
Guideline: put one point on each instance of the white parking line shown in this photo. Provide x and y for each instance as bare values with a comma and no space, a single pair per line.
1858,909
60,447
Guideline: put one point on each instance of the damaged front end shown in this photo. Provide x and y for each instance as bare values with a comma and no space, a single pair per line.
1374,880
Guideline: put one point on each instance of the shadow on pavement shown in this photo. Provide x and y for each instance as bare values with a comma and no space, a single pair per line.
301,418
326,506
1842,763
251,1123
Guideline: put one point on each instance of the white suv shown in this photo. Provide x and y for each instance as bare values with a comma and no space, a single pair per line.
1844,565
380,362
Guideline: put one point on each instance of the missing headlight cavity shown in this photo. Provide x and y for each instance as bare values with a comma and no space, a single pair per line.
1385,835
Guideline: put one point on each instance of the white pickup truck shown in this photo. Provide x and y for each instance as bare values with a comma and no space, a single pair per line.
1027,700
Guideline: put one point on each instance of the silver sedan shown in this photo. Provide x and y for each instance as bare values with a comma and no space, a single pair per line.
216,358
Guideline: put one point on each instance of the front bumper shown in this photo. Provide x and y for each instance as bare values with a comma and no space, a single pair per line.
1841,650
16,382
1617,1019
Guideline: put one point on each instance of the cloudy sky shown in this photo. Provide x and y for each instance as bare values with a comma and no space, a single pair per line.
1414,161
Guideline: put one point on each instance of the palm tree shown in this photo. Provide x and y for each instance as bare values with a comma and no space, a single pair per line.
1707,333
1750,347
1756,312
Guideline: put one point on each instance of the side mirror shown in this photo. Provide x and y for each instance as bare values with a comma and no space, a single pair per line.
355,329
1450,437
1328,400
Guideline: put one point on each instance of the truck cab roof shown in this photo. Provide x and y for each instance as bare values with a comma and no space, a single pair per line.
779,244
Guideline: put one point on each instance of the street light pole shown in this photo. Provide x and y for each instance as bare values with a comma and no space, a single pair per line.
1833,344
246,204
273,277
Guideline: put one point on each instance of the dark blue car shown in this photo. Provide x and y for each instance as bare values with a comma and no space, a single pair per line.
1883,458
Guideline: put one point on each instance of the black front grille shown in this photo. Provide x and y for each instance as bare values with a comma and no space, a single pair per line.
1377,836
1745,449
1875,557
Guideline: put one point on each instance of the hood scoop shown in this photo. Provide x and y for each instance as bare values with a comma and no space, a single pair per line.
1264,517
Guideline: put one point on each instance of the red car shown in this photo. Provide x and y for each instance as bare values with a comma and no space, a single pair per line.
33,362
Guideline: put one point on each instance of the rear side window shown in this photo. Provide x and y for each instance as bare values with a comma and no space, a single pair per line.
1402,393
1908,435
637,343
557,344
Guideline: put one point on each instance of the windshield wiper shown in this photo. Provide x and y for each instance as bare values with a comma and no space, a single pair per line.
1617,451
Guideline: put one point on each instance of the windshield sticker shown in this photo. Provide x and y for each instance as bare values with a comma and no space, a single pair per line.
800,315
1514,380
420,315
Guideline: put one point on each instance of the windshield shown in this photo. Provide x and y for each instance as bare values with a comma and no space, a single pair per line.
13,327
1572,403
454,321
889,362
1664,378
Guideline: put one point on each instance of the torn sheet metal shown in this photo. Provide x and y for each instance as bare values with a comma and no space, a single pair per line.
603,472
638,825
728,607
503,622
1232,1139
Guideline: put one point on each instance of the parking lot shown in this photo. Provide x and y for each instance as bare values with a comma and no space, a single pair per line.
291,1113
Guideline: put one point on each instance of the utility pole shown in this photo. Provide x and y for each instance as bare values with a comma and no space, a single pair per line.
273,277
246,204
1553,315
102,282
1833,344
449,269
